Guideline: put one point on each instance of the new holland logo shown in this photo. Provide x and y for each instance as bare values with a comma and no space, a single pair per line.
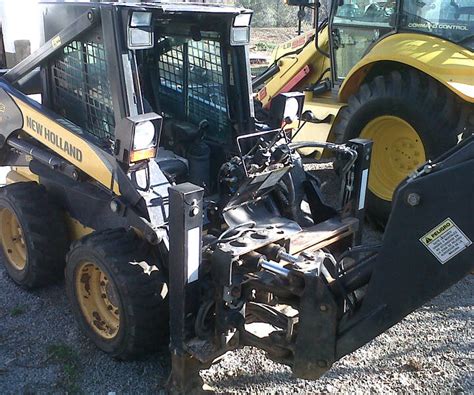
54,139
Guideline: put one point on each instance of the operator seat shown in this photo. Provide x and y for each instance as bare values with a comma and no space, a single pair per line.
174,167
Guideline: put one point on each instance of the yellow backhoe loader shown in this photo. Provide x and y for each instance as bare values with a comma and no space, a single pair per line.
400,73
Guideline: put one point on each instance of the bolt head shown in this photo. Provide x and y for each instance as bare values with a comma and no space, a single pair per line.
413,199
323,307
114,206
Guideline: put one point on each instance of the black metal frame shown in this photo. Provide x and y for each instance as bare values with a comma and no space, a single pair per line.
185,226
404,262
330,324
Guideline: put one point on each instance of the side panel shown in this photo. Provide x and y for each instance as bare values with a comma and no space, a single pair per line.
33,120
448,63
427,247
11,118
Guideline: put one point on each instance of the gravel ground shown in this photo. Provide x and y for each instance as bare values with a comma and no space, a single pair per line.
42,351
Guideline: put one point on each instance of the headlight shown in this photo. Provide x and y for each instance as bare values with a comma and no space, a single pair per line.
144,136
242,20
285,108
292,108
240,30
140,30
240,36
140,19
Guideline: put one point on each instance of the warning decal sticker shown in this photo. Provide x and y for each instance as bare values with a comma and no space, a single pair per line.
445,241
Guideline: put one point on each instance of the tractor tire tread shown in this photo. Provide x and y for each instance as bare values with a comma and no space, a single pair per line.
422,101
146,310
44,230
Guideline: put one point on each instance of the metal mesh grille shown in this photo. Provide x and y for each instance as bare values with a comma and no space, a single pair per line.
204,96
171,80
81,89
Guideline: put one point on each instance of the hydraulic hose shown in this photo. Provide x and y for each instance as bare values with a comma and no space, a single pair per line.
343,149
316,37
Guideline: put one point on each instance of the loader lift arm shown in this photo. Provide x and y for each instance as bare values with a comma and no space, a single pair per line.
82,24
48,162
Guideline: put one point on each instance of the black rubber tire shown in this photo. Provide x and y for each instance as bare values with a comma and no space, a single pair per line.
144,312
428,106
44,234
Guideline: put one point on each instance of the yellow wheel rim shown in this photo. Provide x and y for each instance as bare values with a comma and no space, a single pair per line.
397,151
98,299
13,242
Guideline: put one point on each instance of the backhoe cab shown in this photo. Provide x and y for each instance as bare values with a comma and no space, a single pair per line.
142,177
396,72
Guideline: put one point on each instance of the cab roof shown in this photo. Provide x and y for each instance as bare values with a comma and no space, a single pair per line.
165,7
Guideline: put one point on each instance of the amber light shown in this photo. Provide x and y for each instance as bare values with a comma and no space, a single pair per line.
137,156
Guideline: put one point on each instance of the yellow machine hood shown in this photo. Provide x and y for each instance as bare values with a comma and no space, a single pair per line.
445,61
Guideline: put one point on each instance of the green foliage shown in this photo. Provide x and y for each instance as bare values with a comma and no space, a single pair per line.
69,361
17,311
275,13
270,13
264,46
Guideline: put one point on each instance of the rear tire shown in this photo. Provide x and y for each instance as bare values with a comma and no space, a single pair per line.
119,304
410,117
33,235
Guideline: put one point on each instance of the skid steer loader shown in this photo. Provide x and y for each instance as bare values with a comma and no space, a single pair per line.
397,72
179,222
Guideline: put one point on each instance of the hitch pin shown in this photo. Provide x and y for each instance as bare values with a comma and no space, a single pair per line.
274,268
288,257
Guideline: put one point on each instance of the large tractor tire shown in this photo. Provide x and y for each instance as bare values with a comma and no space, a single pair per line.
33,235
117,293
410,118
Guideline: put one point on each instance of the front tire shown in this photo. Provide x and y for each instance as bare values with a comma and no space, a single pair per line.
410,118
33,235
117,293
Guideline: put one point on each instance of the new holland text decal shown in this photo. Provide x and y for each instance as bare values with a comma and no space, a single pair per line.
53,138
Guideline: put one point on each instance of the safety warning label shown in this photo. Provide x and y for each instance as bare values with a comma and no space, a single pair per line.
445,240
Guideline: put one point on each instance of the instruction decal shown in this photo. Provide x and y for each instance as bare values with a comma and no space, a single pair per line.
445,241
